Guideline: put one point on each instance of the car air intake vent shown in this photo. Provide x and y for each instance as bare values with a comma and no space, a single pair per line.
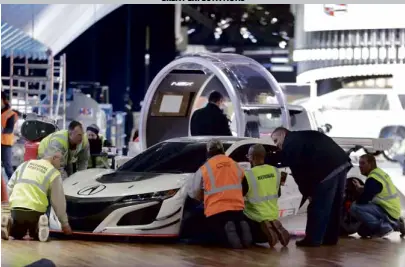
140,217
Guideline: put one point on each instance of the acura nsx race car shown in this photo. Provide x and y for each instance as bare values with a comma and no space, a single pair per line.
146,196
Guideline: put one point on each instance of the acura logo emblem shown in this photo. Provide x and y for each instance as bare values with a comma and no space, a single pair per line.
91,190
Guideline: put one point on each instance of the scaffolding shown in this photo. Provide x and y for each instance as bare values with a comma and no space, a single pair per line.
33,87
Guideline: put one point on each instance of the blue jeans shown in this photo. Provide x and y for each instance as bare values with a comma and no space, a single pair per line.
6,156
372,217
324,211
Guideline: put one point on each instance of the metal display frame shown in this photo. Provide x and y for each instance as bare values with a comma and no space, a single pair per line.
218,64
55,79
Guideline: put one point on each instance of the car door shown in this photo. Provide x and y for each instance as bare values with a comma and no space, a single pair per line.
290,196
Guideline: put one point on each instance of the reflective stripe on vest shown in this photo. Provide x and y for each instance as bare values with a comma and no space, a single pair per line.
255,189
42,186
387,185
7,138
215,189
388,198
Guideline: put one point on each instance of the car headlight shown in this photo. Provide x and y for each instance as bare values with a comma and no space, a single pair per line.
160,195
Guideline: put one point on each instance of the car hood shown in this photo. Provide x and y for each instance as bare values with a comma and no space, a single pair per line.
100,183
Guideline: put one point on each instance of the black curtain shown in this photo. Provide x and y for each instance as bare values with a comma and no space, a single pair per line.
112,51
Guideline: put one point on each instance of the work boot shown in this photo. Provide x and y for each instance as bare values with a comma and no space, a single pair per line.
6,222
306,243
282,233
247,238
270,233
401,224
43,228
232,235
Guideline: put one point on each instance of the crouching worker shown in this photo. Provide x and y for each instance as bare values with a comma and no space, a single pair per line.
74,146
30,187
378,208
262,184
219,183
96,143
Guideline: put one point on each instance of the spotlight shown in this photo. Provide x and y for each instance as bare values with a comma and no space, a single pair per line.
282,44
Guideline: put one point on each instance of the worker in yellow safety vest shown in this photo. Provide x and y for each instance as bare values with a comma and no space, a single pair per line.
97,142
30,187
378,208
8,120
261,208
72,143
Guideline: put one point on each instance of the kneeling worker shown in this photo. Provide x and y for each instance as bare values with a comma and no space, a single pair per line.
261,210
378,208
29,188
219,182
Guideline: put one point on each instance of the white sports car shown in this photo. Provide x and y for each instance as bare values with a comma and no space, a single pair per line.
146,196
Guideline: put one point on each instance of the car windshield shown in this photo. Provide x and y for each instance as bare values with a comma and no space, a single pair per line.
169,157
271,119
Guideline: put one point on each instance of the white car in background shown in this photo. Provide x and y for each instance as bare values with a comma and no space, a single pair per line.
362,113
268,117
147,195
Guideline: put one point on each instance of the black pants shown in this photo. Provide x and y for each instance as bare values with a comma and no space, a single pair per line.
216,224
23,220
6,156
324,212
256,230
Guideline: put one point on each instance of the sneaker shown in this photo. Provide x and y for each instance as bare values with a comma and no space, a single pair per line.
247,238
282,233
270,233
6,222
402,226
232,235
43,228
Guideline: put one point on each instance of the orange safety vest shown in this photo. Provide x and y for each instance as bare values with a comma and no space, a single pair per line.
7,139
222,179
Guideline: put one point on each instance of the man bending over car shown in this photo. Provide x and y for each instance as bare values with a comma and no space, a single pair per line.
219,183
378,208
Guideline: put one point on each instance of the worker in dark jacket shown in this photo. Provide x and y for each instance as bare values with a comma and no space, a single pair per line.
8,120
211,120
319,167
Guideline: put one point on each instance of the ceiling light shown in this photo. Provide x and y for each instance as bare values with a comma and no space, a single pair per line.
282,44
373,52
274,20
382,53
392,53
365,53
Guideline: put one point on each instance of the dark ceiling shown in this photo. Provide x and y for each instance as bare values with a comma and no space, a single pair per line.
239,25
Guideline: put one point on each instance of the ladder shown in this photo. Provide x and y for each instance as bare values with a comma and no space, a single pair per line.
29,83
